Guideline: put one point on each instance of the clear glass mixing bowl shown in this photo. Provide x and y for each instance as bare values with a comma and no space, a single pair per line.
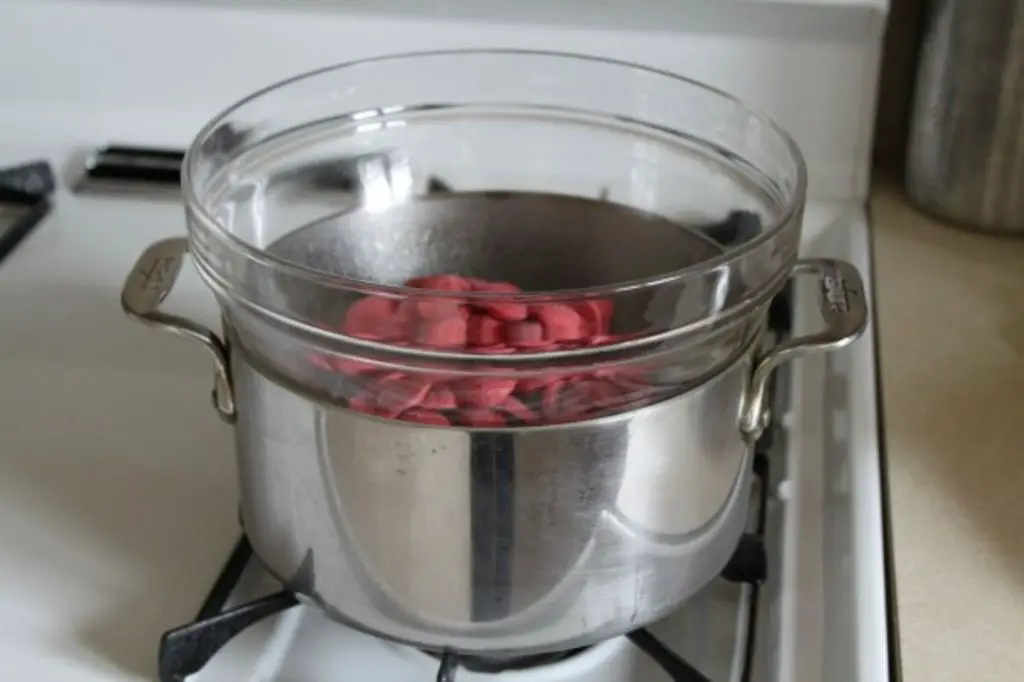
584,181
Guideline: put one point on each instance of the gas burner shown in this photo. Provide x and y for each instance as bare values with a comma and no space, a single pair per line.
488,665
675,666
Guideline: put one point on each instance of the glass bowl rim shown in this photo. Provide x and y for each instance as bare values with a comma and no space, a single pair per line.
792,205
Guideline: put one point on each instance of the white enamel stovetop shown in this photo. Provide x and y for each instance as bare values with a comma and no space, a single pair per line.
117,487
117,498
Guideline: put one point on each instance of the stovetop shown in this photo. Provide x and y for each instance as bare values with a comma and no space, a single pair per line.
117,487
818,611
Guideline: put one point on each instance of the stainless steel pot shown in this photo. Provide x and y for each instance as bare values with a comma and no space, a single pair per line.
494,542
965,157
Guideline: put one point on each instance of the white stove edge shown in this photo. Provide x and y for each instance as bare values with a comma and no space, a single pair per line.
842,552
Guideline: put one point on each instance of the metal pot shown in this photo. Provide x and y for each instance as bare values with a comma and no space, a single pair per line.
494,542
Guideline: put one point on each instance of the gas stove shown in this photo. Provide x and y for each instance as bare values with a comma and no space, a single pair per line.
115,498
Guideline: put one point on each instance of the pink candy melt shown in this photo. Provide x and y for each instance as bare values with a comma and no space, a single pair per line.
517,409
422,416
561,322
444,333
596,313
483,419
502,310
484,331
439,398
438,309
485,391
354,367
526,335
507,311
371,317
493,326
401,393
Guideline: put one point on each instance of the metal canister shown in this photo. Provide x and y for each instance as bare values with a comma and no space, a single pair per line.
965,159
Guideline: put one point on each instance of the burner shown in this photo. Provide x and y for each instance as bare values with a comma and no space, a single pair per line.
488,665
676,668
451,662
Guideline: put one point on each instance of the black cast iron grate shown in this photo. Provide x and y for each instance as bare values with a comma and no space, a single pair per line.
25,194
187,649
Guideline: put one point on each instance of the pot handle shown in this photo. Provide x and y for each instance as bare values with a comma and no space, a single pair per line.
147,285
844,310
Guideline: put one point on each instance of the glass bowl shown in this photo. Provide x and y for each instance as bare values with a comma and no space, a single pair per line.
614,231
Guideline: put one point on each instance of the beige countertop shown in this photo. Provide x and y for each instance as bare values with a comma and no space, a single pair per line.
951,323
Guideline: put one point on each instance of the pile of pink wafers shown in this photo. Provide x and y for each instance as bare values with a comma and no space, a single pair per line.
493,327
